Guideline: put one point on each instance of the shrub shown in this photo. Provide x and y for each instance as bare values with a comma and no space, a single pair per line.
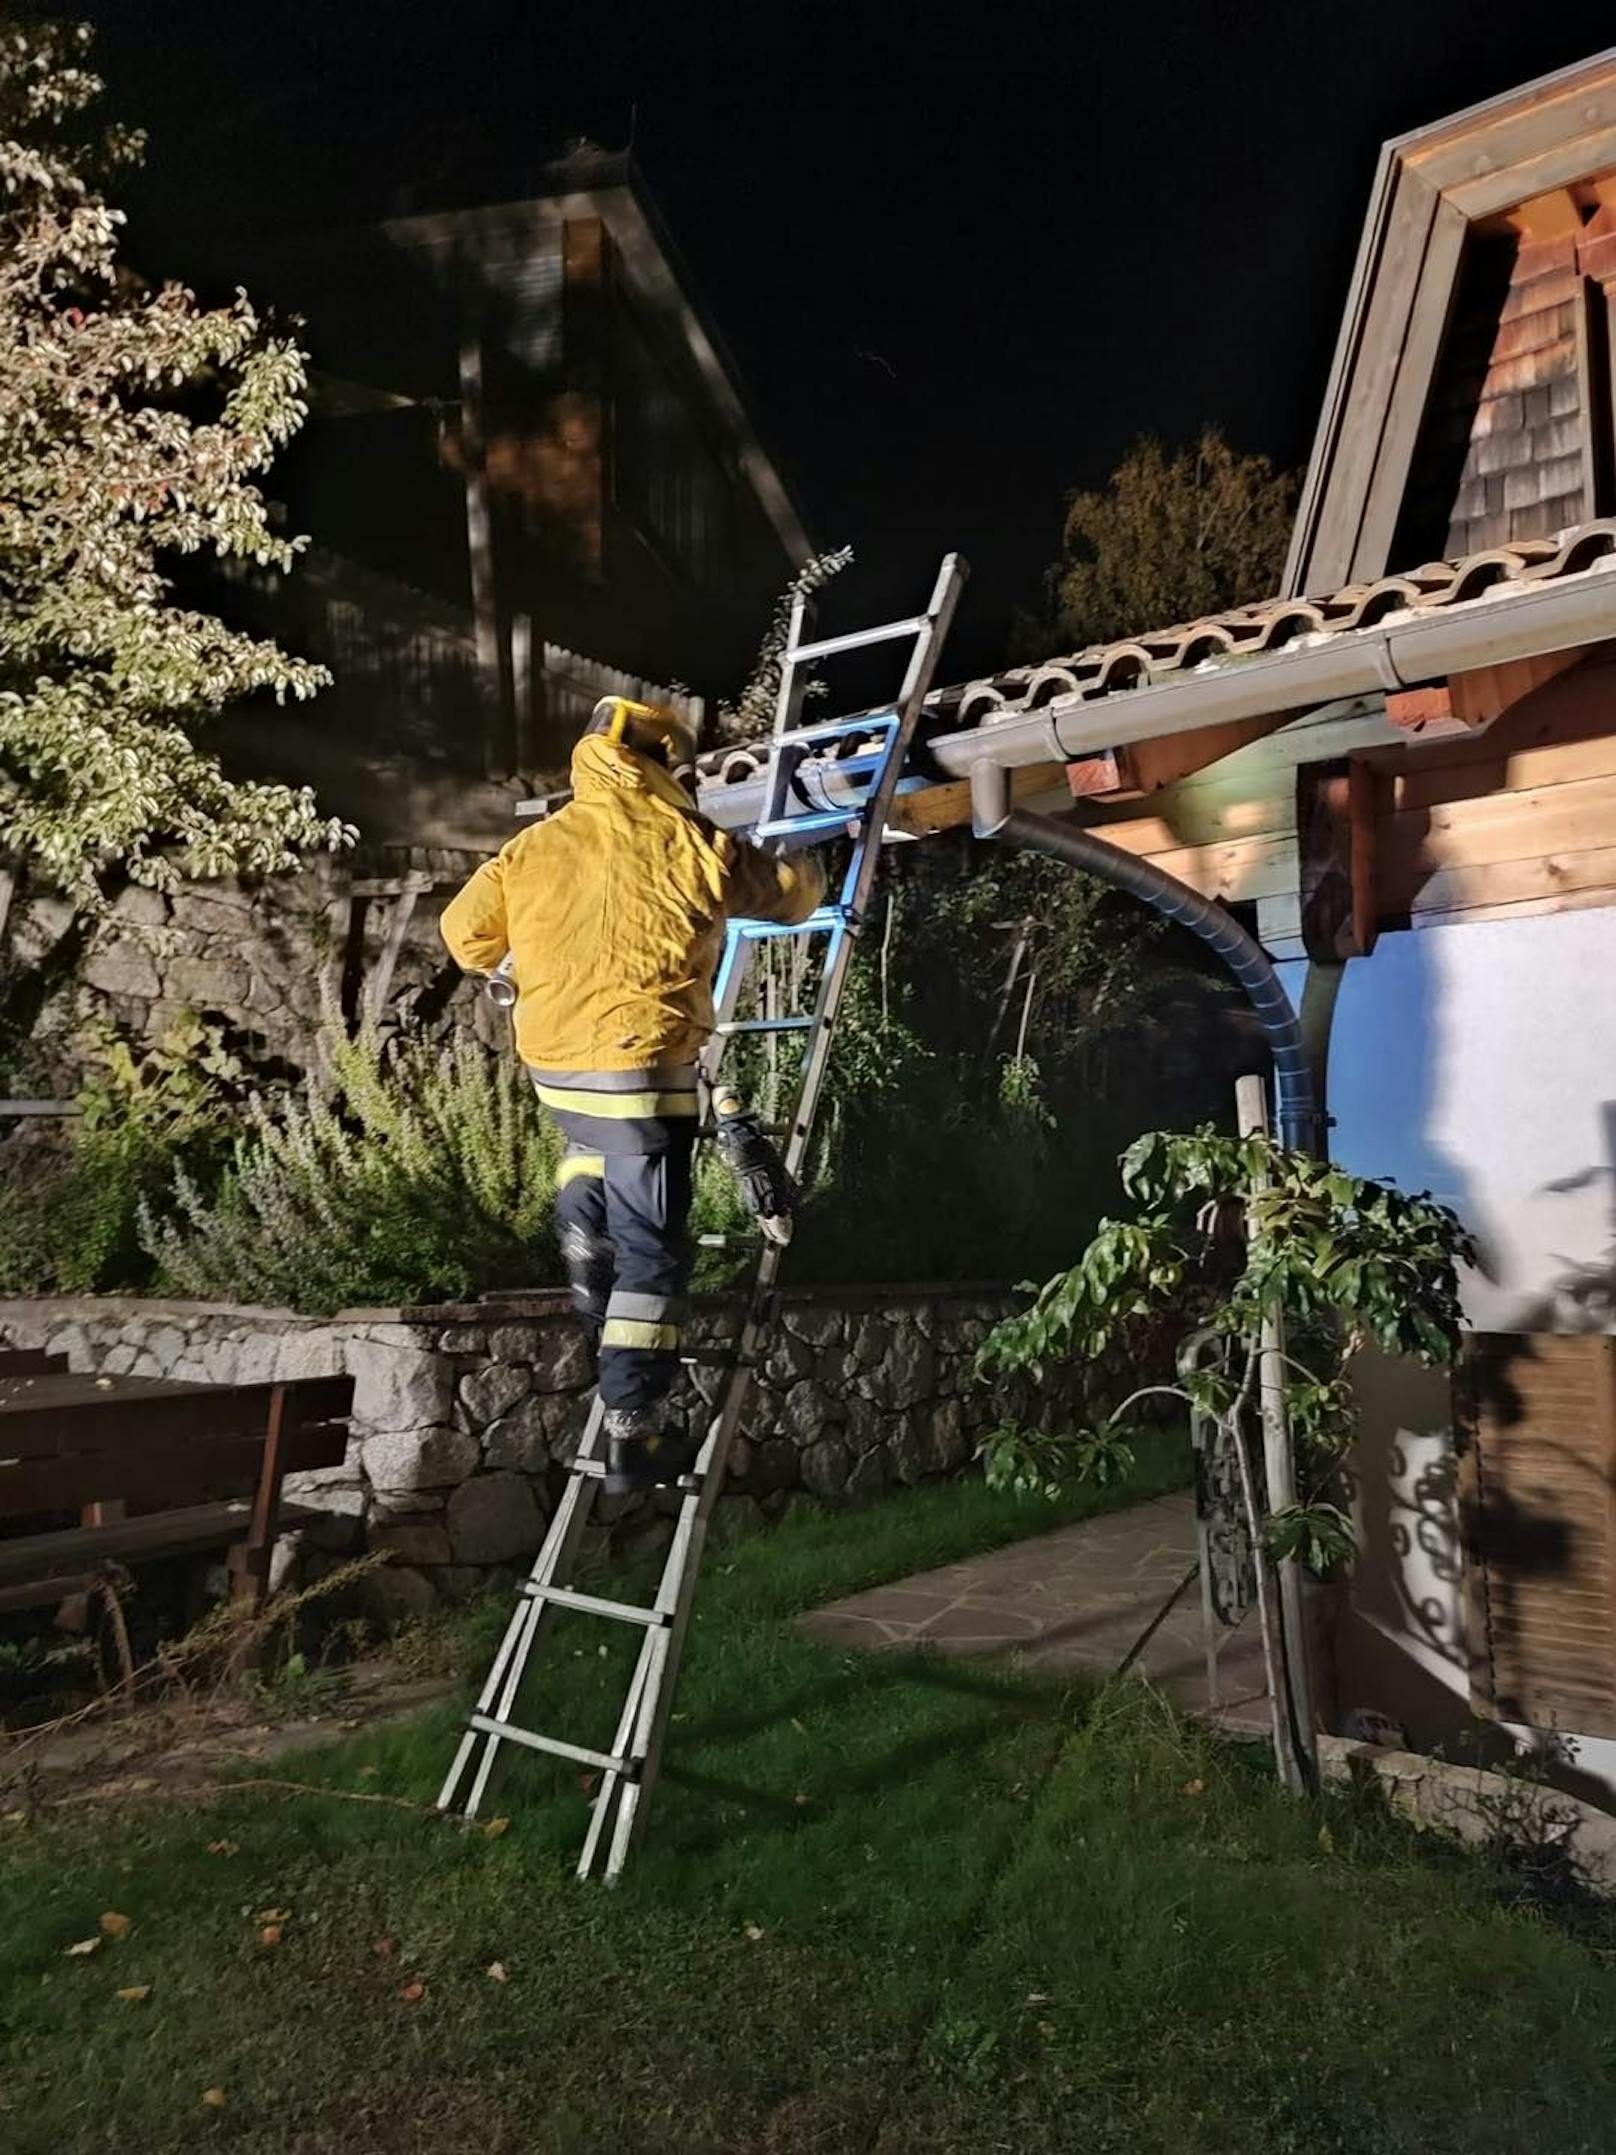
69,1213
425,1172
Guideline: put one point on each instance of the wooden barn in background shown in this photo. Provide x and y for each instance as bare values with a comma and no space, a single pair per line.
532,478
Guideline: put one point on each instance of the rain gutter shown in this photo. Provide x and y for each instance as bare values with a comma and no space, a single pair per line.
1406,650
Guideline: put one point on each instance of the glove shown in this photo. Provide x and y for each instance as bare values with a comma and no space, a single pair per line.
768,1190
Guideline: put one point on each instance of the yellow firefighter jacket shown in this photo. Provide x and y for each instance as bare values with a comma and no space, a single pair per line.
613,911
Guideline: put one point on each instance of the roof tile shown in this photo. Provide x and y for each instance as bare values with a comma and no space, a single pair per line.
1113,669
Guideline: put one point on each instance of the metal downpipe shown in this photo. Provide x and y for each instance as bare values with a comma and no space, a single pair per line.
1296,1109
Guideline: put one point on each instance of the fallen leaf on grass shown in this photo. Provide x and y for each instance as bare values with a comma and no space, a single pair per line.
215,2098
384,1947
798,1726
114,1925
369,1773
496,1972
755,1931
799,1798
85,1945
413,1993
273,1915
135,1993
1038,1997
223,1848
271,1934
1197,1787
495,1827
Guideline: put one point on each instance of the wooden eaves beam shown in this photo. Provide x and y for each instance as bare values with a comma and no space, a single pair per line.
1112,774
1477,699
1127,774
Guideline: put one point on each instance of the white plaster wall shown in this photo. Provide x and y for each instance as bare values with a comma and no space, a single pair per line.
1479,1062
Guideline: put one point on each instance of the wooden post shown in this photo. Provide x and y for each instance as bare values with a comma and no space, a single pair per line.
480,553
398,926
522,690
1336,825
250,1559
1296,1746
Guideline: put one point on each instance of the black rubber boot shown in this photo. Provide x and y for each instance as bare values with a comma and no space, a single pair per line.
641,1454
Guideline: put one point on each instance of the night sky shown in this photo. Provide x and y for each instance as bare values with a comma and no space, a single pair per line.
963,255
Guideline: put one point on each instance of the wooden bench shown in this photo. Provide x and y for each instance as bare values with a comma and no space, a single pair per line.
154,1469
31,1362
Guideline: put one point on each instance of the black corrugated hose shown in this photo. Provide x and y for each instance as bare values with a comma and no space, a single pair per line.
1295,1106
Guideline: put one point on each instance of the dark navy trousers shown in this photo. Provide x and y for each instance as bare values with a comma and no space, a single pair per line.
624,1222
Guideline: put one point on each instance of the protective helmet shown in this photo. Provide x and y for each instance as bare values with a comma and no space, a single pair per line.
650,729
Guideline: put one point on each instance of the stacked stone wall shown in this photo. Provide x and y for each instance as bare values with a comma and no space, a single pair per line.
464,1417
261,958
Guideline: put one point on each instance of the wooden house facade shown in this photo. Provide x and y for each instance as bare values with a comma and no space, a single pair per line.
1434,864
1401,774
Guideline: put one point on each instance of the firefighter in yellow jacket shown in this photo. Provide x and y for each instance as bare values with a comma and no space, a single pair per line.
612,914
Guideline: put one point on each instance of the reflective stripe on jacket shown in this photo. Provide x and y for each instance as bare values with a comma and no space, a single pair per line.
613,914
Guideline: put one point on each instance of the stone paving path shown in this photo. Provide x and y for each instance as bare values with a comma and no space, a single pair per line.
1077,1598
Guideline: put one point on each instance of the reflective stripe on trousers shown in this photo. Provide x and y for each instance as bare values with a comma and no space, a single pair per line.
618,1111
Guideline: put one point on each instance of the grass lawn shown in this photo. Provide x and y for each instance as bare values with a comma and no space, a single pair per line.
886,1906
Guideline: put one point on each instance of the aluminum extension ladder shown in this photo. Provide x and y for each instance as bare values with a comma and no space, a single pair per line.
790,817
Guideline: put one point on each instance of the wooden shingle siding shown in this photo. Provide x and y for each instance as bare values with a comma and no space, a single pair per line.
1391,374
1537,1436
1501,453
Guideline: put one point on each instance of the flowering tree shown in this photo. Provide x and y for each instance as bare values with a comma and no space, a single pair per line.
134,424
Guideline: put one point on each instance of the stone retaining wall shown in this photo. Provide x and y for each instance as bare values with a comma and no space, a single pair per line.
263,957
463,1417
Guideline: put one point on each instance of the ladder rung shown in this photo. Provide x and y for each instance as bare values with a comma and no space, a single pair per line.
486,1725
764,1025
819,923
816,819
827,730
622,1612
889,632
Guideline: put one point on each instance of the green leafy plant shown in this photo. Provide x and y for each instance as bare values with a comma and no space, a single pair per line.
1025,1462
1231,1235
424,1172
70,1213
